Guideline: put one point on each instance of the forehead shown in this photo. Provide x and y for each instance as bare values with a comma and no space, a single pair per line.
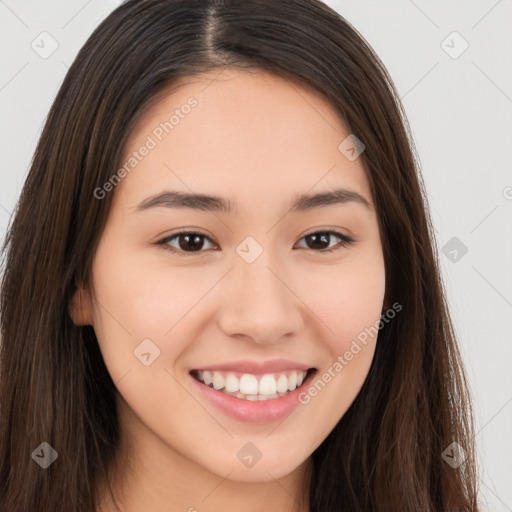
248,135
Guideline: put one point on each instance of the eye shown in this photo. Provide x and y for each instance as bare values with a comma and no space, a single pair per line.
320,237
188,242
191,242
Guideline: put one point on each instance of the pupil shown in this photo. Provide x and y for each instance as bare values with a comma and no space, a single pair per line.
323,237
195,243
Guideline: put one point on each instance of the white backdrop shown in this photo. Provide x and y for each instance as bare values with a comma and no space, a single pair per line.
452,64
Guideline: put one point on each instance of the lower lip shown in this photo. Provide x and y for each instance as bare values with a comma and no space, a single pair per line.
254,411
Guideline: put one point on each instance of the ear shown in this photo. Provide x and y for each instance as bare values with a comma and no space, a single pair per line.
80,308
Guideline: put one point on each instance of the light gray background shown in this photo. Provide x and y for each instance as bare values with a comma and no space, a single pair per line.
460,111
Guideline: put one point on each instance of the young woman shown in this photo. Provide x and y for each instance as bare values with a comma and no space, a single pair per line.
220,286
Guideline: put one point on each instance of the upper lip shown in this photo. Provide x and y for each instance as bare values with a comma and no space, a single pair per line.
256,367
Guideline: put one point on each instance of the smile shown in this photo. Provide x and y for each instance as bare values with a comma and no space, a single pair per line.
248,386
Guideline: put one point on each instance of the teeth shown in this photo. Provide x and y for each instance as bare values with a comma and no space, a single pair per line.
268,385
292,381
232,383
282,384
269,397
218,381
248,384
207,378
248,387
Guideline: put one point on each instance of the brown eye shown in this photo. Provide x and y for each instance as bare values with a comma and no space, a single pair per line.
188,242
319,241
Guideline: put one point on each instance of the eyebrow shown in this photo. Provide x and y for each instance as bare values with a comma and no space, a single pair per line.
207,203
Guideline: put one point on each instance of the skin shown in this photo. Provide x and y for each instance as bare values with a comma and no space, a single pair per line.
258,141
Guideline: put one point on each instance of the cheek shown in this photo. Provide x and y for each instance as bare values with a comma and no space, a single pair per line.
140,299
348,298
350,311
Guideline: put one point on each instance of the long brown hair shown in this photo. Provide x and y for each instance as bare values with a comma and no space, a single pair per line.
386,452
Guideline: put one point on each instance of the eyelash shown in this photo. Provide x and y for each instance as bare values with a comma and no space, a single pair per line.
345,242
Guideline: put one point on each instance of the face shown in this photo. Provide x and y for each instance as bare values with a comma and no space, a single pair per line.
255,300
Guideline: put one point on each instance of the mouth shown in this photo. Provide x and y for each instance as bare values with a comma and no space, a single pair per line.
253,387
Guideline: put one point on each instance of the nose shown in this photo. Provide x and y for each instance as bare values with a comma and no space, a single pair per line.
258,302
